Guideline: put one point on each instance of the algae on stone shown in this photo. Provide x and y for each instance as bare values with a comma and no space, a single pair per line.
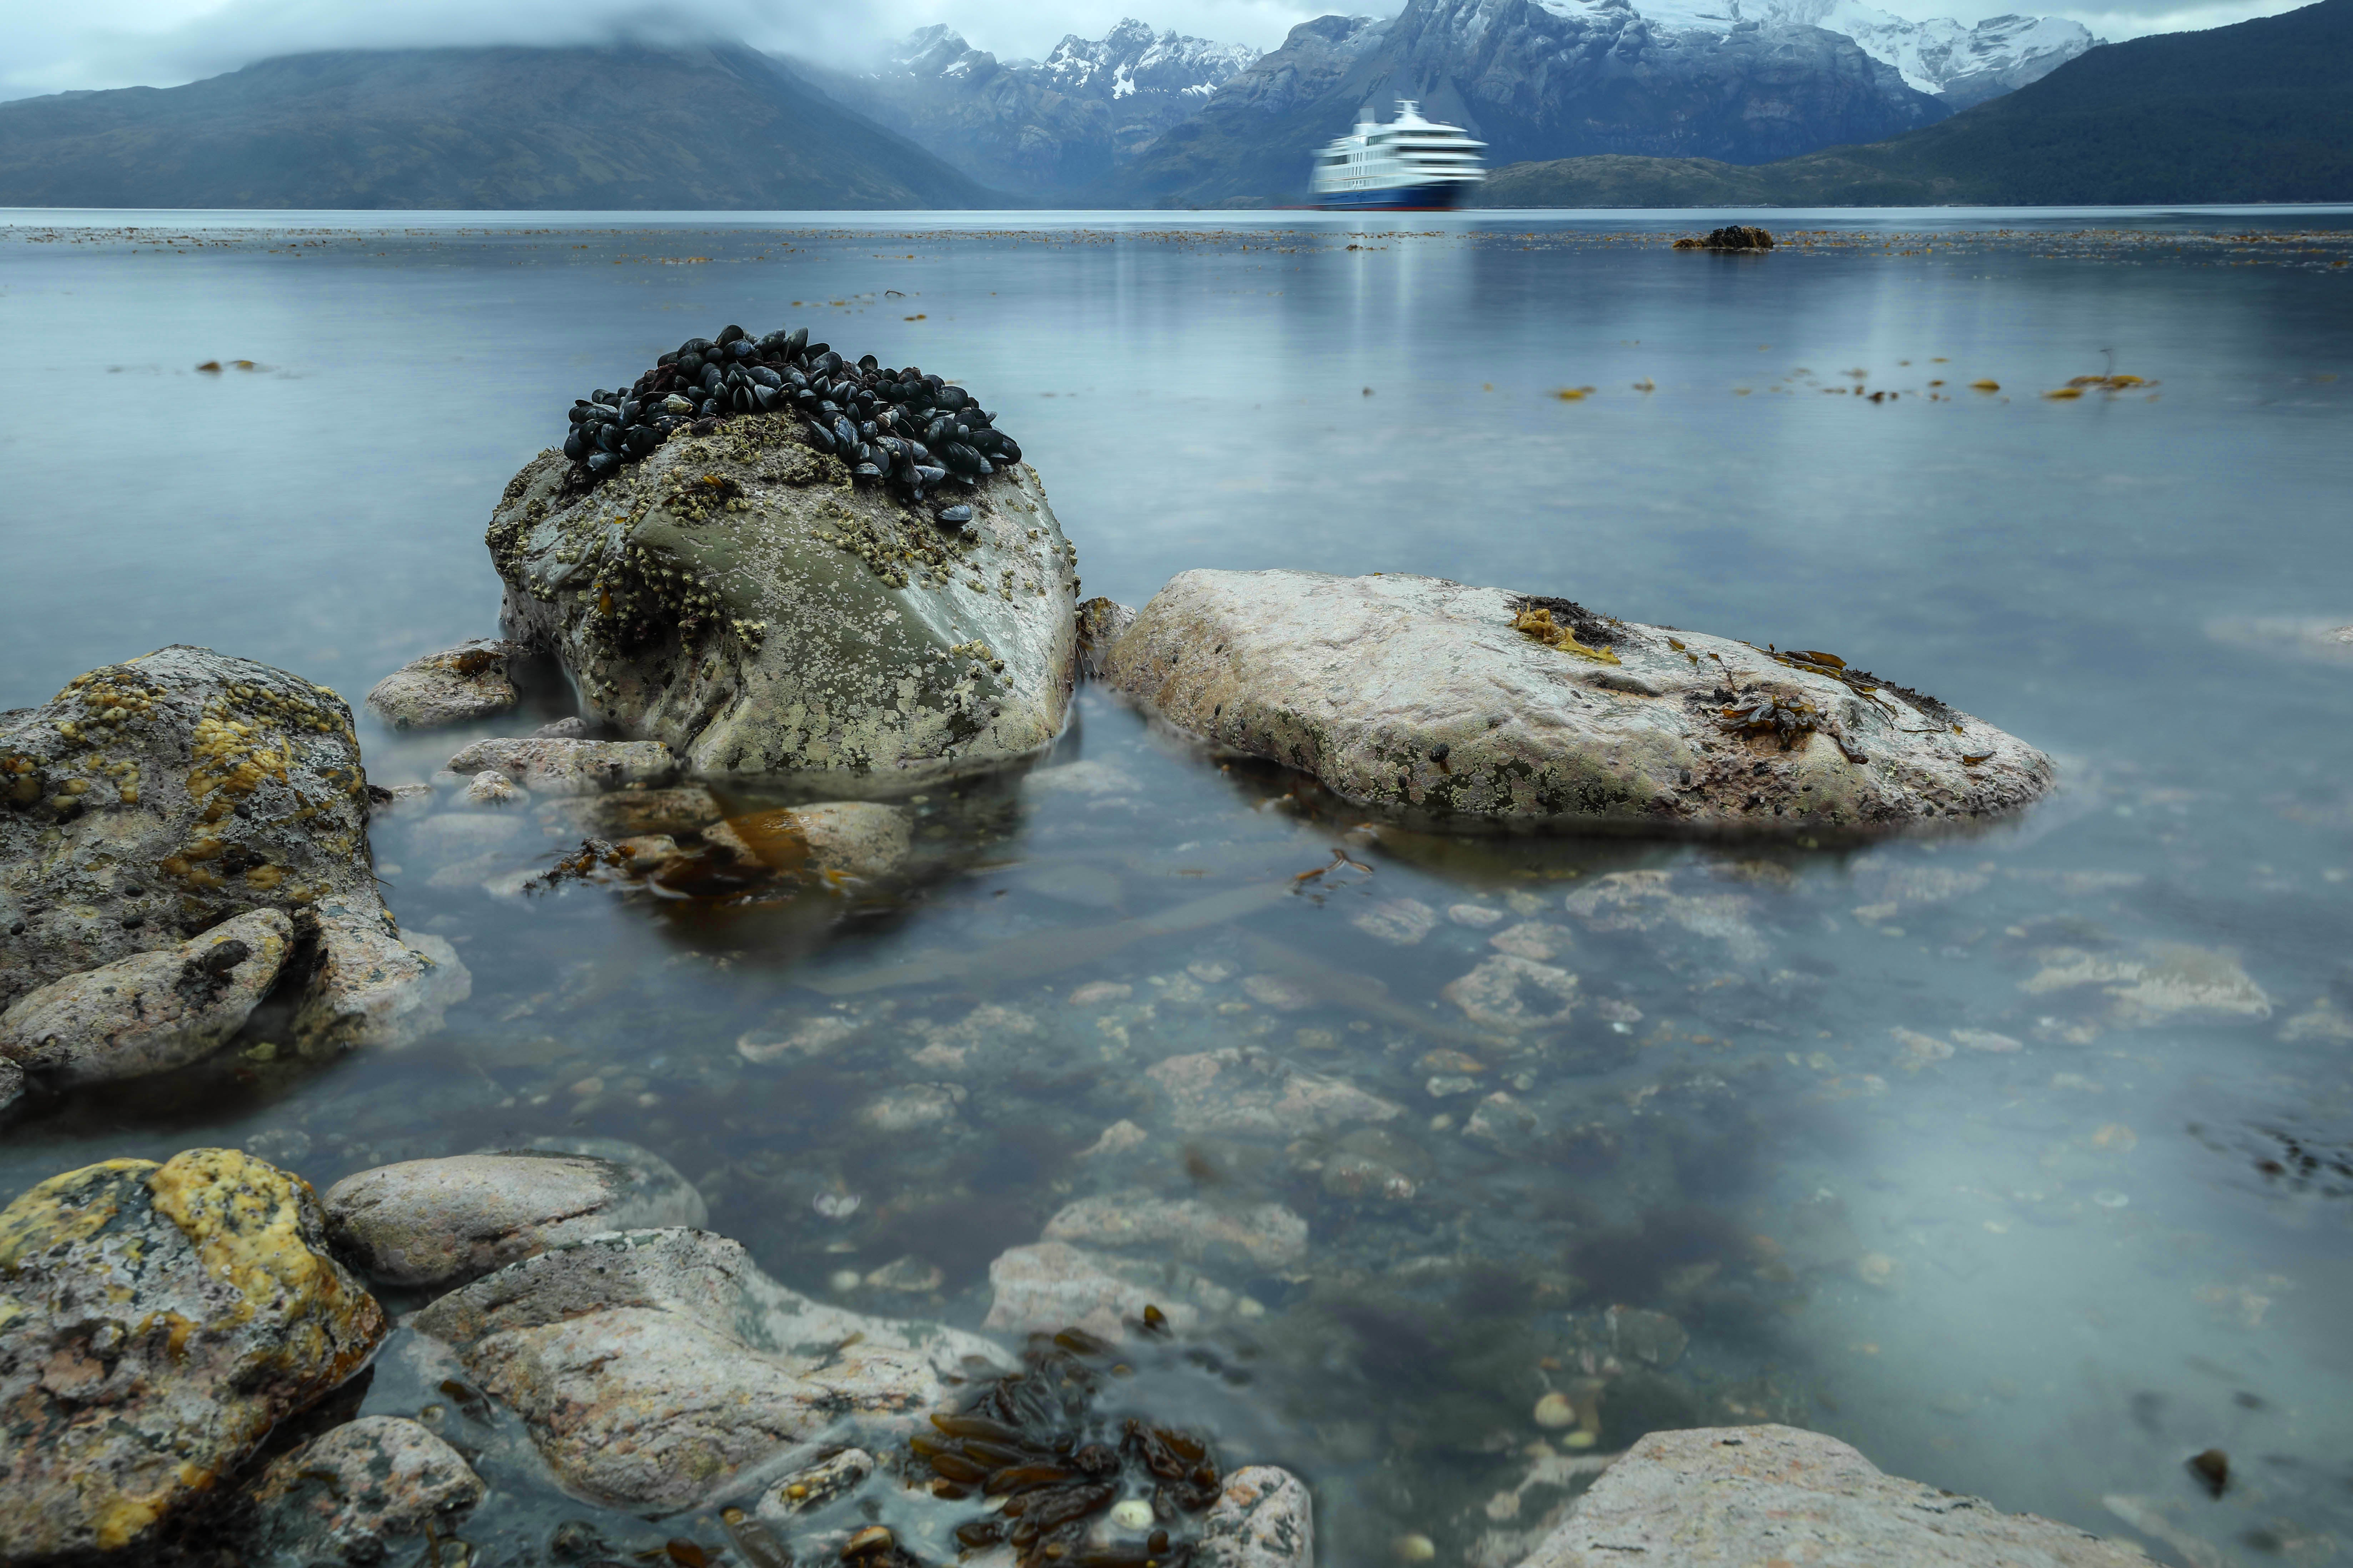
155,1323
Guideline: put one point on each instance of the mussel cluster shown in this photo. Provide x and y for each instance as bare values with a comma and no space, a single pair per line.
1035,1438
914,431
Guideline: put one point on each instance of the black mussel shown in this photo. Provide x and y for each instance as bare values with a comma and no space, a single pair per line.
941,429
796,380
866,471
609,436
808,401
953,398
739,399
574,447
826,408
669,358
796,341
954,516
765,377
896,447
829,361
695,346
579,411
960,457
765,397
643,440
601,464
866,427
711,408
774,343
1010,449
742,349
822,436
710,376
729,334
867,362
985,468
976,419
630,409
929,474
844,432
688,365
865,400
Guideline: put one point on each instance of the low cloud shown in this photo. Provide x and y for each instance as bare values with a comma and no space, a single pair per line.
55,47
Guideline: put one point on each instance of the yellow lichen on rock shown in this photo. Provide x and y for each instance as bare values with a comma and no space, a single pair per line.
63,1210
244,1217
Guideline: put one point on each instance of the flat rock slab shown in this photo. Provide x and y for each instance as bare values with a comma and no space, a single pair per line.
457,685
654,1367
1419,695
737,597
152,1011
562,767
444,1222
1738,1496
155,1323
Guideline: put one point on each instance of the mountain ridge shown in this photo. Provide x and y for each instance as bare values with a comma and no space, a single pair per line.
2255,111
616,127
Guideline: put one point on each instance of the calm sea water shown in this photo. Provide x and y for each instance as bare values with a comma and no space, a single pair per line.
1790,1117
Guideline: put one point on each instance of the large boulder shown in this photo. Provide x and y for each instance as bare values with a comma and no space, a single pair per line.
1727,1497
155,1323
152,801
444,1222
652,1367
150,1012
737,597
1481,707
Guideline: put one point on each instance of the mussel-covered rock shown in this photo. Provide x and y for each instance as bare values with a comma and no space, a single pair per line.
751,595
1480,706
152,801
156,1321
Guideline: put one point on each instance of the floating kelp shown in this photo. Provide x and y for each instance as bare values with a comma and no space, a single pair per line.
1082,1488
911,430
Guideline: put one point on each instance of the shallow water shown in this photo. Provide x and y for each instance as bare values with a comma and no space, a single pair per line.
1788,1110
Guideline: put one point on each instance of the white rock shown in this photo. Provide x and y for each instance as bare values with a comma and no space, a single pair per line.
1733,1497
570,767
1359,680
1401,921
370,988
1507,992
1233,1091
1264,1519
458,686
1052,1286
493,789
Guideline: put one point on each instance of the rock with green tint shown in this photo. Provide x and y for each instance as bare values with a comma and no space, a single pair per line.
738,597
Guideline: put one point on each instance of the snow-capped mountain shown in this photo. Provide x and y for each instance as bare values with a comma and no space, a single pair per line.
1039,128
1961,65
1130,59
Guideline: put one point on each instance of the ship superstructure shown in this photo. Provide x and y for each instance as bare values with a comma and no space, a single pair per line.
1410,164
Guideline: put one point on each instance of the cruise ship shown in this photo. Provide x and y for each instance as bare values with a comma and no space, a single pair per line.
1410,164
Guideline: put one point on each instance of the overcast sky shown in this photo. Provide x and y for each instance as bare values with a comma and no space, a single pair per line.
47,46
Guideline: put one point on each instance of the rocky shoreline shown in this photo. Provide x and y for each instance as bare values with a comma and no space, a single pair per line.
777,634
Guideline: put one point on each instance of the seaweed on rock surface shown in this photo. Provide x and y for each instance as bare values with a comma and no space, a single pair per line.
1081,1488
903,427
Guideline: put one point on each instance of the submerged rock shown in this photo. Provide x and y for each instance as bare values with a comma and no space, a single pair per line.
560,767
652,1367
471,681
154,800
737,597
841,838
1738,1495
1478,706
155,1323
152,1011
632,813
1051,1285
370,988
358,1492
1239,1090
1265,1237
444,1222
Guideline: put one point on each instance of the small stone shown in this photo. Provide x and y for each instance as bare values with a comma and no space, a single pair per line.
1263,1518
1414,1548
461,685
1535,939
815,1486
1478,917
908,1276
1118,1138
803,1038
912,1108
570,767
1278,991
492,789
1132,1515
1556,1409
